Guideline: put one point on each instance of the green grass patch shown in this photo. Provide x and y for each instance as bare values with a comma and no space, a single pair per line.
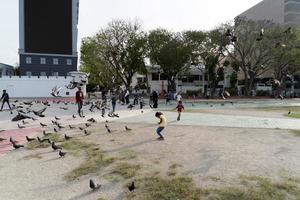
94,162
280,108
296,133
157,188
252,188
75,146
126,170
127,154
37,145
293,115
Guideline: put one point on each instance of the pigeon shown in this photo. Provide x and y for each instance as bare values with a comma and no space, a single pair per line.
116,115
87,125
234,39
43,125
131,187
93,185
55,130
73,116
19,126
54,122
289,112
40,112
91,120
68,137
2,139
108,130
54,146
17,146
106,126
46,134
86,133
24,122
43,140
20,117
60,126
71,127
12,140
61,154
228,33
63,108
127,129
261,34
55,91
57,118
33,119
29,139
81,128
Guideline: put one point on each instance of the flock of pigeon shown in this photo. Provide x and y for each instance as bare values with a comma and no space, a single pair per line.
25,108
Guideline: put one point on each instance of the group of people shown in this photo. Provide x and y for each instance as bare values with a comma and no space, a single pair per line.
79,97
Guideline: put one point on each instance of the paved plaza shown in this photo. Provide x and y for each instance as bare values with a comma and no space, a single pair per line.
215,143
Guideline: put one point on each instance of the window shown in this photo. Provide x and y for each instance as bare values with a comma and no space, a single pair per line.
43,61
28,60
43,74
69,61
55,74
155,77
28,74
55,61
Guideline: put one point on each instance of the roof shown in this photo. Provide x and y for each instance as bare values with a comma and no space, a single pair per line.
5,66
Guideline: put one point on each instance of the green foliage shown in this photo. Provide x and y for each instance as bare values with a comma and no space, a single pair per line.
115,53
169,51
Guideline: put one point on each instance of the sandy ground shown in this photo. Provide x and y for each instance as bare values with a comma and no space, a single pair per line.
212,156
204,153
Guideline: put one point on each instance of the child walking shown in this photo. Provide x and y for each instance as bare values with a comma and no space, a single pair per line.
179,108
162,124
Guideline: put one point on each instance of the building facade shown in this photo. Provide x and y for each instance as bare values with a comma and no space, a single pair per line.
6,70
48,37
283,12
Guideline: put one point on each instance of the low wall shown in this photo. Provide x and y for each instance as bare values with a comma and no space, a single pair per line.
36,86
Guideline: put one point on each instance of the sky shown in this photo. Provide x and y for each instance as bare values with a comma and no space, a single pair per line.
175,15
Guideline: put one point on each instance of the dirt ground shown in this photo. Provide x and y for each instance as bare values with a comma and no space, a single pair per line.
212,156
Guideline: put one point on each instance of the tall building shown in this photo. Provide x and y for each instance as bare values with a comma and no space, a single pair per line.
283,12
48,37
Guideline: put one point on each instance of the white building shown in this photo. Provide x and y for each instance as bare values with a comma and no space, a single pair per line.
193,80
40,86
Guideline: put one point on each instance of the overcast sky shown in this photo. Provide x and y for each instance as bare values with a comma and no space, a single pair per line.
175,15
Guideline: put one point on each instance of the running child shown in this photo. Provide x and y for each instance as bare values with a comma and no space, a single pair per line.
162,124
179,108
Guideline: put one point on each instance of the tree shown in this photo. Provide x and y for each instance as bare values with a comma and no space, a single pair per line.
93,64
286,53
170,52
120,48
251,45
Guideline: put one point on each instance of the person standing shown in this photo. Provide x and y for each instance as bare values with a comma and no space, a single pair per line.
5,99
79,101
113,102
162,124
155,99
179,109
126,97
